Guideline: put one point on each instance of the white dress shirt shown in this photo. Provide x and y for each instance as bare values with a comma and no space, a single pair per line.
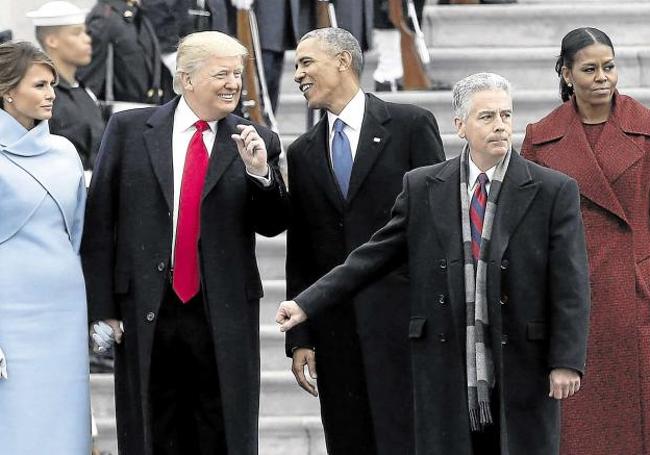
183,130
472,180
352,115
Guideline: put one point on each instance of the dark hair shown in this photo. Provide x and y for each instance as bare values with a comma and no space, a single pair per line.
15,60
572,43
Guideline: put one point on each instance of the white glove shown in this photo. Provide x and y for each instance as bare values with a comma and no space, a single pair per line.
242,4
102,335
3,365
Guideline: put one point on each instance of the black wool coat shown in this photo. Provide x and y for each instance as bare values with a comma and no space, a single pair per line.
126,250
538,293
324,228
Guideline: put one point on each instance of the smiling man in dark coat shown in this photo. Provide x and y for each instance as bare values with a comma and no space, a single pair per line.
361,351
178,194
499,302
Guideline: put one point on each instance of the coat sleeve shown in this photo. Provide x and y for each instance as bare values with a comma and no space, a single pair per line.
385,251
297,270
425,142
98,244
78,216
568,287
269,208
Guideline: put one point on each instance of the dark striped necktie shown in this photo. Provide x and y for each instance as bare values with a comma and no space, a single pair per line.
477,212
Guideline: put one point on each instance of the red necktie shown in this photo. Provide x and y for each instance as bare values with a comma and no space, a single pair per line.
186,281
477,212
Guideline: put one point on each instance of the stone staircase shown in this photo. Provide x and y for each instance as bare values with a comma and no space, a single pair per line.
519,41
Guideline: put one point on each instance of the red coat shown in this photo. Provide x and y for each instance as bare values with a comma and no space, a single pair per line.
611,414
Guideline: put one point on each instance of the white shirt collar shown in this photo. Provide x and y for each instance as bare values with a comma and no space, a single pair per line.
474,172
352,113
185,118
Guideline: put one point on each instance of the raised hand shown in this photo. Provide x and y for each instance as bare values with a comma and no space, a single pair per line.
252,150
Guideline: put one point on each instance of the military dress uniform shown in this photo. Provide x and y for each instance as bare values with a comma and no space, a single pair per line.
137,71
77,117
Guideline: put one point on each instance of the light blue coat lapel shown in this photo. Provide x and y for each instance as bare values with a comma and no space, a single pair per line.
26,177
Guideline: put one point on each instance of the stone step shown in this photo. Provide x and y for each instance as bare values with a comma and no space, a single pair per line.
280,395
293,435
530,25
524,67
529,106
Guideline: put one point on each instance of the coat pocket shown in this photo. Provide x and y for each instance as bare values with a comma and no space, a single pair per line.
416,327
536,331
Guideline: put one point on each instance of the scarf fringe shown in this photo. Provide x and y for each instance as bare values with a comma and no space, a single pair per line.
480,417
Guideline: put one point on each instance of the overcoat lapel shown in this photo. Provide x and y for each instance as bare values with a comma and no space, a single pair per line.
372,140
158,140
224,152
583,165
318,162
518,190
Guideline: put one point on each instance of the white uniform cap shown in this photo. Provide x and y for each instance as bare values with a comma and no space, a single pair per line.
57,13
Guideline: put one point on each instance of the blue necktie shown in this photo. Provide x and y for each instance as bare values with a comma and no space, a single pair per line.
341,157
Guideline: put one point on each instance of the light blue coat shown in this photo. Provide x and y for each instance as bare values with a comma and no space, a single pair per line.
44,402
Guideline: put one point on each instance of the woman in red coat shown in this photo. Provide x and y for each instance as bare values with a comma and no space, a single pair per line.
602,139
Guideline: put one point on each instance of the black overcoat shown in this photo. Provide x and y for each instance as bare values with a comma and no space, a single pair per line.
538,293
126,252
395,138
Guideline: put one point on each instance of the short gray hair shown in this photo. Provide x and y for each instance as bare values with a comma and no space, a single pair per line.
337,40
195,48
465,88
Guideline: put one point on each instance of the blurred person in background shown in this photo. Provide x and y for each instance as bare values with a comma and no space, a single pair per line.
61,32
126,62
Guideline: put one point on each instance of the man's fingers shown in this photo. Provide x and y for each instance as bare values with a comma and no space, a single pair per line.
311,366
298,369
238,140
288,325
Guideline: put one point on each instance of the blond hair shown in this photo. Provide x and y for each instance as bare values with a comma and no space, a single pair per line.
195,48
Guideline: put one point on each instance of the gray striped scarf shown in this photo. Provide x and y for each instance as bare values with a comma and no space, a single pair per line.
480,364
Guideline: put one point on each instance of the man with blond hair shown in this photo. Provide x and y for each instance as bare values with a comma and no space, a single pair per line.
178,194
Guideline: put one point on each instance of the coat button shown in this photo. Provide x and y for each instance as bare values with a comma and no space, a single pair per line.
504,299
504,339
443,264
442,337
161,267
150,316
442,299
504,264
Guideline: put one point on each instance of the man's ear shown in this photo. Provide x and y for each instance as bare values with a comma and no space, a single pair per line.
460,127
51,41
186,82
345,61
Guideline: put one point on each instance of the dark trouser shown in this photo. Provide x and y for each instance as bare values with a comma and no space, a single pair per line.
343,394
186,411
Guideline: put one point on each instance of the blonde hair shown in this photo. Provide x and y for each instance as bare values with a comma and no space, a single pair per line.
195,48
15,60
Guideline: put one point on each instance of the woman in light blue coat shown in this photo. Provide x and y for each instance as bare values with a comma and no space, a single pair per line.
44,388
